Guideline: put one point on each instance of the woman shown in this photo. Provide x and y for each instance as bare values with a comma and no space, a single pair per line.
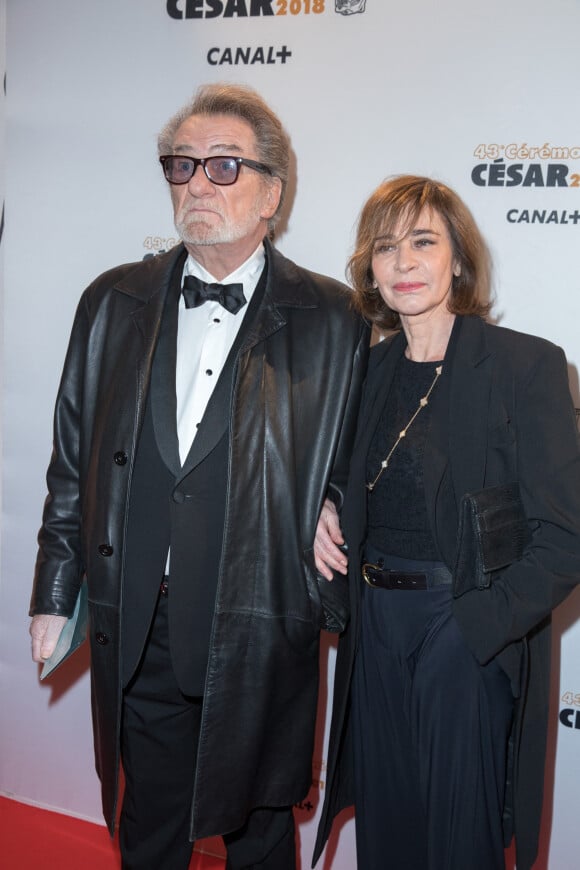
441,687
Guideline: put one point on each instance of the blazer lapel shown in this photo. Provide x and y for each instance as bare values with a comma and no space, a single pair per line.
382,364
456,445
469,398
436,459
378,383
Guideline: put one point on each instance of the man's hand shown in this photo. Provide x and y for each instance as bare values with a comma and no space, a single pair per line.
328,538
45,631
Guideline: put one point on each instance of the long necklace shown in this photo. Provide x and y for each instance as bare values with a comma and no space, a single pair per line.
422,403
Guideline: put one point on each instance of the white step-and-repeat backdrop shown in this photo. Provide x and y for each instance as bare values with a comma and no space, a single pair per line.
482,96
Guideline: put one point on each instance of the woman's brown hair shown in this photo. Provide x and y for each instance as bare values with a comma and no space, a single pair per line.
397,203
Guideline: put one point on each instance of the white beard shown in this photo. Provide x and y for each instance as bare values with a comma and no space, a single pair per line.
200,231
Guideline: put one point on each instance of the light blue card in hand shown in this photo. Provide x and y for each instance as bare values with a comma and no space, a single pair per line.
71,637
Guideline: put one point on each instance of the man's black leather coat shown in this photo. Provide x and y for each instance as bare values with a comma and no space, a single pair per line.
292,419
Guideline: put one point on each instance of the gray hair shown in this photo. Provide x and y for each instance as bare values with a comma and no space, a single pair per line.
242,102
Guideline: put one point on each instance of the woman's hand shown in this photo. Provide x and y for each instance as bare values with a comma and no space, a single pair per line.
327,555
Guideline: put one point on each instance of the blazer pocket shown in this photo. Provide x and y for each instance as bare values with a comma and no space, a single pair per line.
502,434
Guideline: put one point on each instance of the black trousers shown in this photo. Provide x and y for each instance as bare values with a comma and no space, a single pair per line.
431,729
159,740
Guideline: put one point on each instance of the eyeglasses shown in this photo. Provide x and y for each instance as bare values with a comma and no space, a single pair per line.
219,170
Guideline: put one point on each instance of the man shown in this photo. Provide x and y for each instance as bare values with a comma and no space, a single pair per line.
198,430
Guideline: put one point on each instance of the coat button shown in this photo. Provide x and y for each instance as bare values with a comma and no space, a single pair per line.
178,497
101,638
105,550
120,458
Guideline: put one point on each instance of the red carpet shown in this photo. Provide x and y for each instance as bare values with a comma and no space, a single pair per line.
33,838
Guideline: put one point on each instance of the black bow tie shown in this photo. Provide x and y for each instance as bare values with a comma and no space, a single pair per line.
196,292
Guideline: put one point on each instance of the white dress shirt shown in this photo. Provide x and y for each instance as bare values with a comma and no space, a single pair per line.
205,336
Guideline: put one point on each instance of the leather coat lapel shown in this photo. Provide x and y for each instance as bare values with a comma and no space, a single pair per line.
284,289
148,284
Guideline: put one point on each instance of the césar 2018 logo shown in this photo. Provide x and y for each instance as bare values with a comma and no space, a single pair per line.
183,9
242,8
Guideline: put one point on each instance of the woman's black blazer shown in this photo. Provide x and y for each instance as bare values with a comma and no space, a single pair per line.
503,413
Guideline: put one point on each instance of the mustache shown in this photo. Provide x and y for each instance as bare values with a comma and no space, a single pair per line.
195,212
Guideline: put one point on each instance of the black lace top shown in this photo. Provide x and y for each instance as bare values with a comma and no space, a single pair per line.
397,513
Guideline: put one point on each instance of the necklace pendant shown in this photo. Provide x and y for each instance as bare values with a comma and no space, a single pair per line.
370,486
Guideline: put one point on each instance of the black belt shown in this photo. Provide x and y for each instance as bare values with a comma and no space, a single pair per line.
382,578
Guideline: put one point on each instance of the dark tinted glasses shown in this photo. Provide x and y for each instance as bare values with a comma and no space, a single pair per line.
219,170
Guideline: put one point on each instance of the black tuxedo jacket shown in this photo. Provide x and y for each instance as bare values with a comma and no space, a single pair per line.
180,507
